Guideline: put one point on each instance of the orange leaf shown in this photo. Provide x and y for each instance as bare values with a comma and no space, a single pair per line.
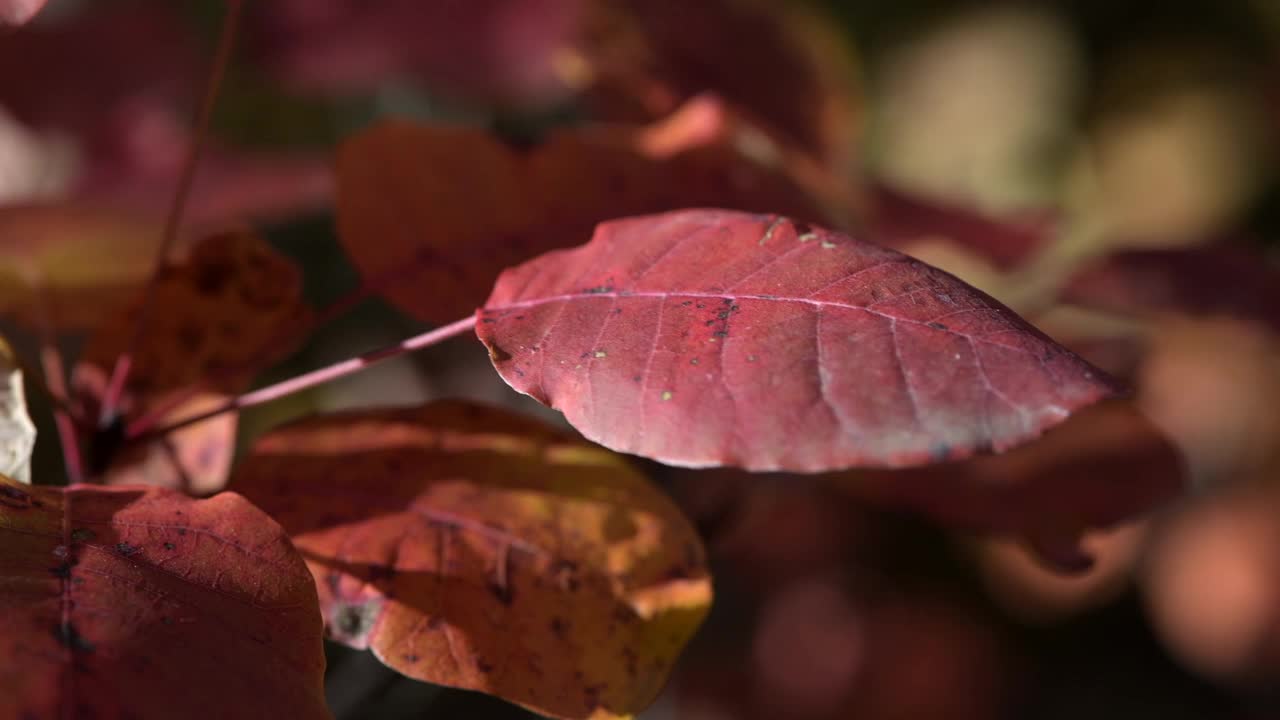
448,207
475,548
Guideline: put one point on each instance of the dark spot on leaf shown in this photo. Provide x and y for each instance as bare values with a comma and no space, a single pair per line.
483,666
70,637
411,658
686,303
212,277
559,626
170,546
721,333
62,571
566,576
82,535
182,531
937,326
355,621
598,289
126,549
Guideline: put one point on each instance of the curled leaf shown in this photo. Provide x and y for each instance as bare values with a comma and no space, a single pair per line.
711,337
17,432
128,602
475,548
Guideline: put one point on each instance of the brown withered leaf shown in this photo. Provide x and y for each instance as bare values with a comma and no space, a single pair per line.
230,309
215,318
471,547
432,214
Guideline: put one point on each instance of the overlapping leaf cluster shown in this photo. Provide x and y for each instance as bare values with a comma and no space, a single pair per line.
692,276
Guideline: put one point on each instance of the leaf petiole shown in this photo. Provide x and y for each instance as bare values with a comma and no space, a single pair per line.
322,375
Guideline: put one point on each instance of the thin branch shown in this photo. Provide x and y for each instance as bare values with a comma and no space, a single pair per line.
324,374
124,363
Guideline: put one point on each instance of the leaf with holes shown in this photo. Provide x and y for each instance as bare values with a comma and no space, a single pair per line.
132,602
492,205
230,309
475,548
711,337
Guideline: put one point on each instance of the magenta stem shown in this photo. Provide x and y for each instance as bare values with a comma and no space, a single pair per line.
325,374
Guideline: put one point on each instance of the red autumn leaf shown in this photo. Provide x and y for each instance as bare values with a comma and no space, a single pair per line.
18,12
787,70
711,337
448,208
127,602
471,547
1214,279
